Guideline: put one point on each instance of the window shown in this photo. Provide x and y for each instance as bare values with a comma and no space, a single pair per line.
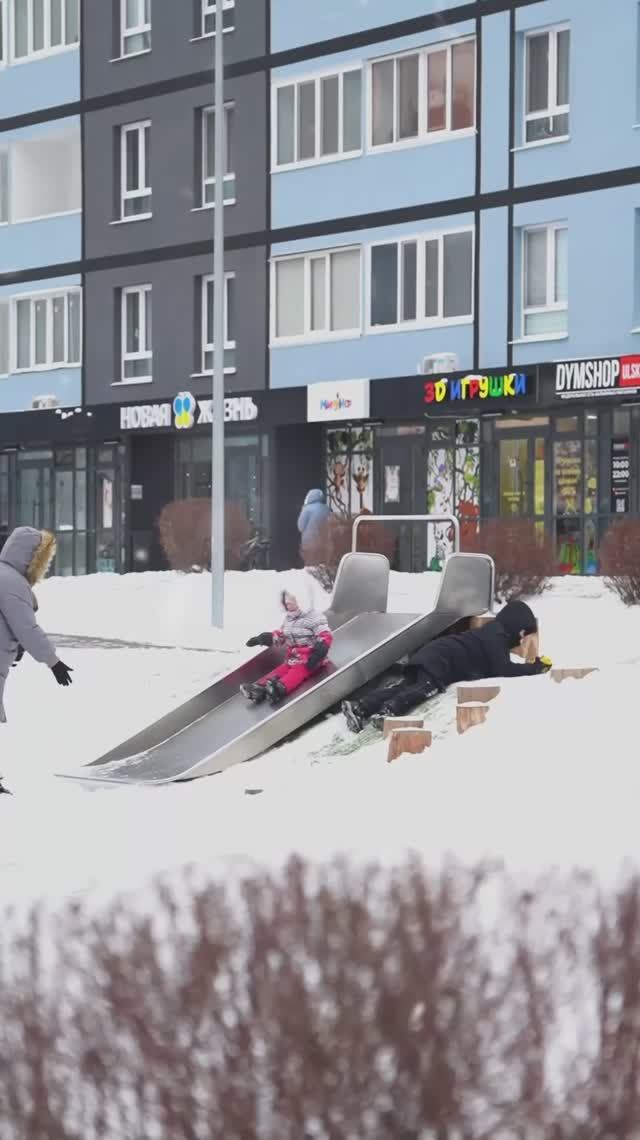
135,26
136,334
4,338
207,321
319,119
46,331
4,186
46,176
209,16
545,281
317,295
547,85
208,156
43,26
422,281
423,94
135,161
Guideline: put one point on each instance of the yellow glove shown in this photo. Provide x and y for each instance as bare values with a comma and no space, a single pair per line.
546,663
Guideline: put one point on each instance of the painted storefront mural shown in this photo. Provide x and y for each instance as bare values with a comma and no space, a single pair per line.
453,483
350,471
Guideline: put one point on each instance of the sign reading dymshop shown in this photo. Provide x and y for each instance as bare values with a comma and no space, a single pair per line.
509,386
184,413
610,376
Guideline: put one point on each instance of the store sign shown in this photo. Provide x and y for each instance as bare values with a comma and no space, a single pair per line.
185,412
510,386
607,377
327,403
620,476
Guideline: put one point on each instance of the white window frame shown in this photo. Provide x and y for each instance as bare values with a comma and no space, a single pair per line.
40,53
4,30
143,166
139,30
554,108
316,78
5,307
551,229
5,158
420,322
208,8
229,345
229,177
310,336
49,296
144,354
424,136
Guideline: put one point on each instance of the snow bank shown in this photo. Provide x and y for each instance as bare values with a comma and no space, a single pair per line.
551,780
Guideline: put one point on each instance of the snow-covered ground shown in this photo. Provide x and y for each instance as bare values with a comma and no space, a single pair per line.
552,779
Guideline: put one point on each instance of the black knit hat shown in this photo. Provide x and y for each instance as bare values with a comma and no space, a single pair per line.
517,619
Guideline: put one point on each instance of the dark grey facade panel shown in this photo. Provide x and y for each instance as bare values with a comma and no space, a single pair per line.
176,318
174,170
175,50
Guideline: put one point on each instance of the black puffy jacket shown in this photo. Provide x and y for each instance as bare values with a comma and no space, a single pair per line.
480,653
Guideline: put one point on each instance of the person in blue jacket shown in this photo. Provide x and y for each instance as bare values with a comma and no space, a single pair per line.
312,518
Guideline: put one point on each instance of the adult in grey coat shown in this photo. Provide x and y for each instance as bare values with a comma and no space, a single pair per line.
312,518
24,561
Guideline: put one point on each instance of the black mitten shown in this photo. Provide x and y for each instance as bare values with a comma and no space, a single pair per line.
265,639
19,655
318,653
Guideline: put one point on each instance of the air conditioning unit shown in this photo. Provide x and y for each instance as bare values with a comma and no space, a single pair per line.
441,362
39,403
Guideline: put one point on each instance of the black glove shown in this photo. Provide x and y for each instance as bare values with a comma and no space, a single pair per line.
262,639
19,655
62,673
318,653
542,664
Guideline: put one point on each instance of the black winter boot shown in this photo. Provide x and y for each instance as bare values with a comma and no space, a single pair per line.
276,691
4,791
355,715
255,692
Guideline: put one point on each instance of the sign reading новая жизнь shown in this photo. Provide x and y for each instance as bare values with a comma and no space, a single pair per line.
609,376
477,386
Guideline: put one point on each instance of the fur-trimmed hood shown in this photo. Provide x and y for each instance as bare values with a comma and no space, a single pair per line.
30,552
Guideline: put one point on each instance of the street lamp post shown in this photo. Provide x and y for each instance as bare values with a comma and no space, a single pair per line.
217,430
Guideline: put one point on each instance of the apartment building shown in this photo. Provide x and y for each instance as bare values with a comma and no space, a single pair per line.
455,219
432,265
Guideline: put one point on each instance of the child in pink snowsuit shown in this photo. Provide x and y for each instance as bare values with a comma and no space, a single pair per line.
307,637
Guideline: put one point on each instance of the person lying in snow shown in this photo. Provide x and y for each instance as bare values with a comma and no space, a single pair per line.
24,560
306,635
472,656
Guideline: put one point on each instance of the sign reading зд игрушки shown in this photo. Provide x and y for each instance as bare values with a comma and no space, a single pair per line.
509,386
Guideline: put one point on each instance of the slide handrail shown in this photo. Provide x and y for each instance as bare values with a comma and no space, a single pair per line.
407,518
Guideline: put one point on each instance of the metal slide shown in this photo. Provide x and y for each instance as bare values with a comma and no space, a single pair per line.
219,728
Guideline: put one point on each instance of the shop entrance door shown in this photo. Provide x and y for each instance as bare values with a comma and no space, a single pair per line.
35,489
400,490
523,471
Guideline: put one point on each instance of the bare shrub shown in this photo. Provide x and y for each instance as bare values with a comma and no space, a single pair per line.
327,1004
620,560
322,554
523,556
185,533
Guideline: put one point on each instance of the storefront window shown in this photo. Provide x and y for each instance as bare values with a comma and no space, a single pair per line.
568,476
453,482
4,493
242,472
106,511
350,471
567,425
514,457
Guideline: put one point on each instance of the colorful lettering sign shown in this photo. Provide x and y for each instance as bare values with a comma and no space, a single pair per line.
510,386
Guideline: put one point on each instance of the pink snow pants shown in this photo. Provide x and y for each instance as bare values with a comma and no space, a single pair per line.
292,676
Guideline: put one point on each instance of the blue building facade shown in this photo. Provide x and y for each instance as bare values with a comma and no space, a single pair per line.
432,266
455,194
